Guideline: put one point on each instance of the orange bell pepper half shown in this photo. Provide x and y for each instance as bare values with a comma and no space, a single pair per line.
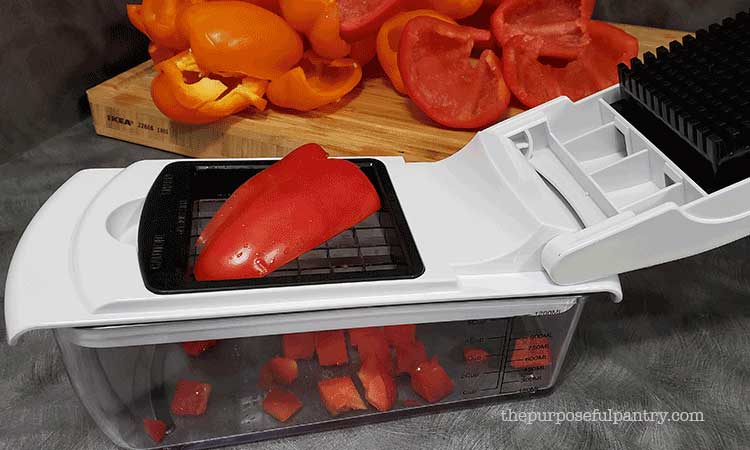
320,21
240,39
205,100
157,19
388,40
314,83
159,53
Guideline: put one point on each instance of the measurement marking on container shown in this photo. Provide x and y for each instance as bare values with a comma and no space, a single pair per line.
495,337
491,372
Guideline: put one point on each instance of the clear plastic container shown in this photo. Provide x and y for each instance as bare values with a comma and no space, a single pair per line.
120,386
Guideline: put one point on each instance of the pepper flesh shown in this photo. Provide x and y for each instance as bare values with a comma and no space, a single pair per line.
239,39
314,83
562,25
456,9
534,82
286,168
319,20
206,100
363,51
291,217
157,19
443,81
388,40
360,18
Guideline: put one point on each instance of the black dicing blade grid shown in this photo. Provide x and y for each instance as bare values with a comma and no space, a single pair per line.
693,101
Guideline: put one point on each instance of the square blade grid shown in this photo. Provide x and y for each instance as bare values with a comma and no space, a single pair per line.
370,246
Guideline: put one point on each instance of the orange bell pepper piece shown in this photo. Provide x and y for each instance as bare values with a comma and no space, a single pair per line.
320,21
232,38
208,98
314,83
157,19
271,5
388,40
363,51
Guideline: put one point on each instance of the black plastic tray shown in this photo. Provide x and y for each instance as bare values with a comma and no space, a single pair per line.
187,193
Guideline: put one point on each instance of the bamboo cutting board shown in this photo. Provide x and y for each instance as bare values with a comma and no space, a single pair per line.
371,120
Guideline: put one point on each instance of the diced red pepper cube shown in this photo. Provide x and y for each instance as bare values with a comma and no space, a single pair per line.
430,381
195,348
400,334
284,370
375,346
281,404
156,429
356,334
298,345
472,354
531,352
331,348
409,356
340,395
190,398
380,387
265,379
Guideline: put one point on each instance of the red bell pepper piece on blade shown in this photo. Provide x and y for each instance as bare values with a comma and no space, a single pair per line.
562,25
534,81
441,78
195,348
284,370
286,168
374,346
400,334
289,214
357,334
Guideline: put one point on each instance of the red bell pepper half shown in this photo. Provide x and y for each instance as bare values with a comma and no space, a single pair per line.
474,355
156,429
379,385
409,356
535,81
195,348
561,25
361,18
340,395
284,370
190,398
281,404
441,78
331,348
430,381
286,168
298,345
298,207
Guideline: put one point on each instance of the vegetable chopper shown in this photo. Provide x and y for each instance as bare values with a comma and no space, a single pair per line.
497,247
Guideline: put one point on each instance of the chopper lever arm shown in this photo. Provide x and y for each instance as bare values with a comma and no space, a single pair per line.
665,233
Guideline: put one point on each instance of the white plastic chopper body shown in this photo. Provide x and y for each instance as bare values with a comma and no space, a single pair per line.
534,212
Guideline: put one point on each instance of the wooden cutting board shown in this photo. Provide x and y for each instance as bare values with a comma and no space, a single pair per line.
371,120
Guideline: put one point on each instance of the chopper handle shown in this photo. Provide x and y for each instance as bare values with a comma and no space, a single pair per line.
664,233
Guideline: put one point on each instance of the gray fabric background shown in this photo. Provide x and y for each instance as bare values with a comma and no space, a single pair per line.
679,341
